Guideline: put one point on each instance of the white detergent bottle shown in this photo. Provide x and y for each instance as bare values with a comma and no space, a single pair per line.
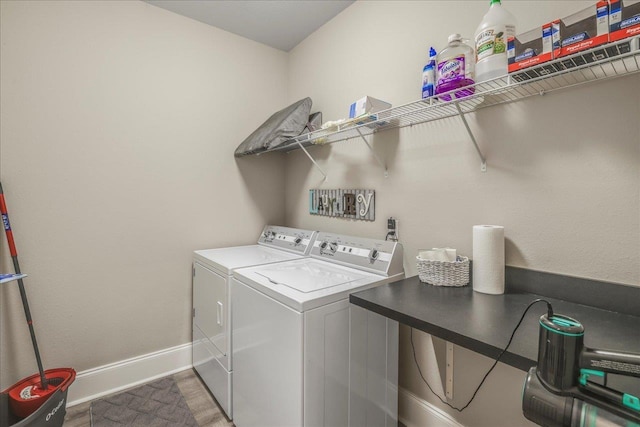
497,26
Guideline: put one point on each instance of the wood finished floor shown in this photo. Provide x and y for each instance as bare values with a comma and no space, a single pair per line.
203,407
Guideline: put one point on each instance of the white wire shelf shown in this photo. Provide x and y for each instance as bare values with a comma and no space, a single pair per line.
606,62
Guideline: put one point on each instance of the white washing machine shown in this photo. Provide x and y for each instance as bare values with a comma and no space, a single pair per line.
290,329
212,271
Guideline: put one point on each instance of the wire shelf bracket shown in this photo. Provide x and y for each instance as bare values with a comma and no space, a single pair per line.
373,153
312,160
483,160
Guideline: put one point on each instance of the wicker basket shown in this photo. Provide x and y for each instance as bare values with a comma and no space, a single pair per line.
444,273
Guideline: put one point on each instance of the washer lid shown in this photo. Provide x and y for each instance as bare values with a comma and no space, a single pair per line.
307,283
309,277
224,260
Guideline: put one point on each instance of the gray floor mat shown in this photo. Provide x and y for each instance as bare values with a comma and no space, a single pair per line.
156,404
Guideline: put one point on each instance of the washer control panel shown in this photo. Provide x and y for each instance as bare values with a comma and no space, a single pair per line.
379,256
292,239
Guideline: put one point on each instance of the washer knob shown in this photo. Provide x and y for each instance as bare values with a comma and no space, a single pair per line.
333,247
373,255
298,240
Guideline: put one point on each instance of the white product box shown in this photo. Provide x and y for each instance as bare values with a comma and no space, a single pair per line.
583,30
367,105
530,48
624,19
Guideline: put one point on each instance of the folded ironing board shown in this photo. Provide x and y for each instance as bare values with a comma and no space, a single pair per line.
280,127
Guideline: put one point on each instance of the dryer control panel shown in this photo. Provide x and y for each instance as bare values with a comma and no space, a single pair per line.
377,256
290,239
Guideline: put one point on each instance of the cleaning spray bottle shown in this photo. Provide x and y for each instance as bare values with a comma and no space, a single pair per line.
495,29
429,75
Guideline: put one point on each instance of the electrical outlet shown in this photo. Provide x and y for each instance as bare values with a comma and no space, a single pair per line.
392,229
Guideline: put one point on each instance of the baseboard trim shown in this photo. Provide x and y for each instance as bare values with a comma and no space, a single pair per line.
418,412
107,379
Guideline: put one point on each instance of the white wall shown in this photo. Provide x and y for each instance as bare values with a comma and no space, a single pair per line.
118,125
563,170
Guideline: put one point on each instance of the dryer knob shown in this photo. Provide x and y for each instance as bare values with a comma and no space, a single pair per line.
373,255
323,245
298,240
333,247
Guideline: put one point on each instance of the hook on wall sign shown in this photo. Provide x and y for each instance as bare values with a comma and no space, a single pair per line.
350,204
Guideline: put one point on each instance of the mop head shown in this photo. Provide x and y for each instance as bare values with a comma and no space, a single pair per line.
27,395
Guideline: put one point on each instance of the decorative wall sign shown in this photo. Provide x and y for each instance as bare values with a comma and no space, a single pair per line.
352,204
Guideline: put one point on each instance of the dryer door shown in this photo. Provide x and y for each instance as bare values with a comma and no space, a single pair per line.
211,304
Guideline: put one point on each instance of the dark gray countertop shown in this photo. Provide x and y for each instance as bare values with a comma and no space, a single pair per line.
484,323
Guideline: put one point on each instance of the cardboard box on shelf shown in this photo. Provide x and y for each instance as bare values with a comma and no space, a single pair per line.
609,50
367,105
555,38
624,19
530,48
583,30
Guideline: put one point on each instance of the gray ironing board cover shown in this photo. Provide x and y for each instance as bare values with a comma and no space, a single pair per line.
280,127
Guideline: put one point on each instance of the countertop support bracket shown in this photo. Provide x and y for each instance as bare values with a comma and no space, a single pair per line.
483,164
449,371
373,153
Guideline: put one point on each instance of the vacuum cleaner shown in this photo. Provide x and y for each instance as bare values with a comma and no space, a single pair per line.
38,400
564,388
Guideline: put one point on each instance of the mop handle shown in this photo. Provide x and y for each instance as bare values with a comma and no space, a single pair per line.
7,225
23,292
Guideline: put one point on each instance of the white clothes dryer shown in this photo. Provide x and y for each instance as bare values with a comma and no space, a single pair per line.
212,271
290,329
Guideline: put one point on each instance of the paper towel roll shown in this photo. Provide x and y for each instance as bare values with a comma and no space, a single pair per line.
488,259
